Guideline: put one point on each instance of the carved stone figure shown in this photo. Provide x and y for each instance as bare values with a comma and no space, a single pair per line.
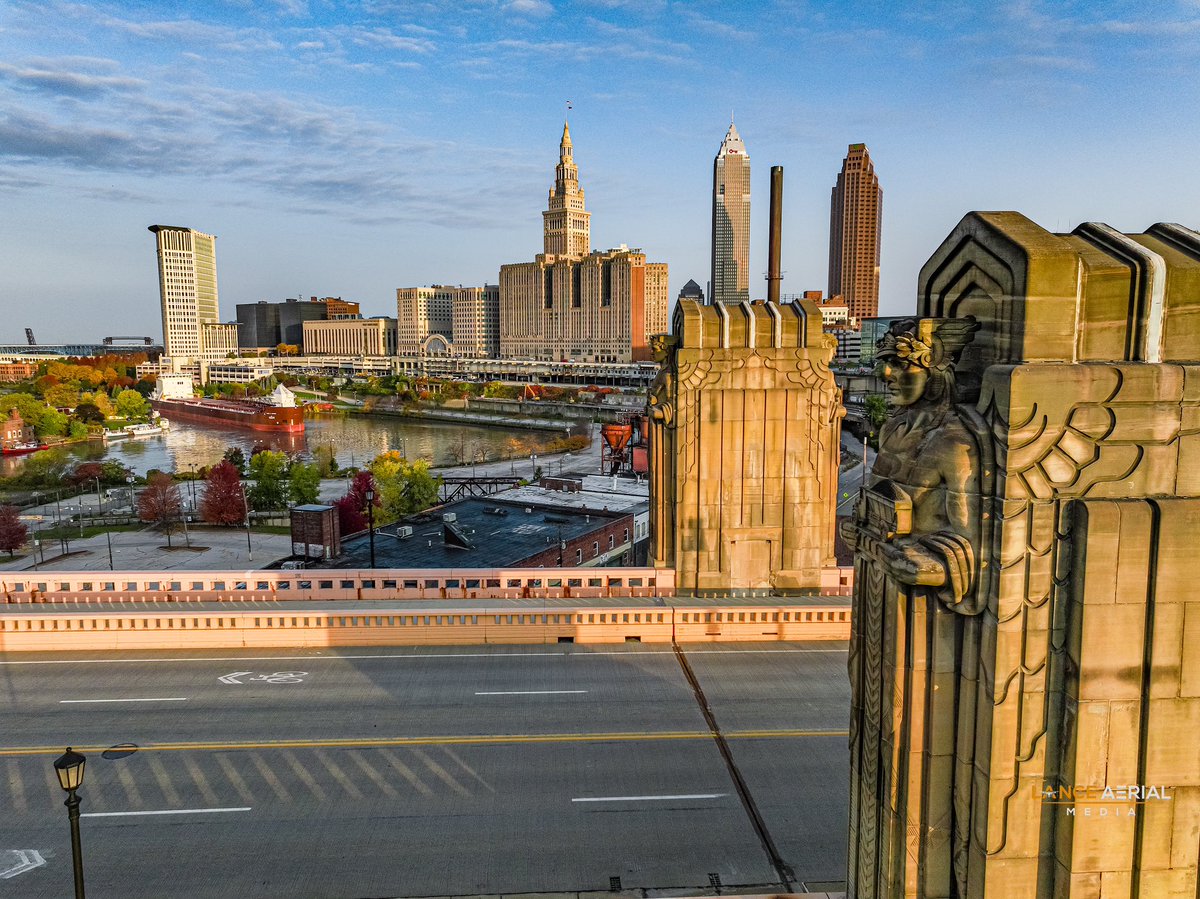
916,532
661,412
1025,659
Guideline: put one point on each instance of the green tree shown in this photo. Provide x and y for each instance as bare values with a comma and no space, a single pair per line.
131,404
235,457
325,459
404,487
52,424
304,483
270,490
876,407
89,413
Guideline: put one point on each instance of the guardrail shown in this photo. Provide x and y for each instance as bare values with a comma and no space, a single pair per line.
328,585
82,631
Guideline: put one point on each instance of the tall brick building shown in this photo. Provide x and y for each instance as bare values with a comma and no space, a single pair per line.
854,221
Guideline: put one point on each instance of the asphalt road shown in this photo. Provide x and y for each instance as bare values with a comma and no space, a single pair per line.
425,772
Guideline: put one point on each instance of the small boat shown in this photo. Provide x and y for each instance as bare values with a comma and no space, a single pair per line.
21,449
143,430
116,435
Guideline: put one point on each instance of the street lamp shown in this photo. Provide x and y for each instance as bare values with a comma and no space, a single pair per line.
561,459
370,494
69,768
533,459
246,506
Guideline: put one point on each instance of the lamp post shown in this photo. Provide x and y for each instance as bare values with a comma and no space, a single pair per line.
246,506
192,482
370,495
69,768
533,459
561,459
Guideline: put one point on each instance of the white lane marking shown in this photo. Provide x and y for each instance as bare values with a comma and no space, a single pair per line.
647,798
169,811
147,699
529,692
22,860
446,655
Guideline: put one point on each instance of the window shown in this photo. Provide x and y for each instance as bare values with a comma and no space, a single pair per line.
612,541
326,585
578,559
595,549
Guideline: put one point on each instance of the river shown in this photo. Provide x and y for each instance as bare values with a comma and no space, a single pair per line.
355,440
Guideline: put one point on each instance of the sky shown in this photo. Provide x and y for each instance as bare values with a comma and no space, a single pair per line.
350,148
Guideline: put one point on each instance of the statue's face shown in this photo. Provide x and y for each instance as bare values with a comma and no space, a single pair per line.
906,381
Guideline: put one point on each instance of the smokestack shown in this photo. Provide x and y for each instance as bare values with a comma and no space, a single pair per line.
774,276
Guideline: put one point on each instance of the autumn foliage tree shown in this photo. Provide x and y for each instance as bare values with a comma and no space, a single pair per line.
352,508
161,504
223,501
13,532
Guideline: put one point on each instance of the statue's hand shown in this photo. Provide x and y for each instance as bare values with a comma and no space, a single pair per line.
911,563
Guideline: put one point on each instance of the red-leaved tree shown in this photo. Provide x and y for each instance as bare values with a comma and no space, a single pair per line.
223,501
160,503
352,508
13,532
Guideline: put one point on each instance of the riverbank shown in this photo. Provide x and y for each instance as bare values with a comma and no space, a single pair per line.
389,408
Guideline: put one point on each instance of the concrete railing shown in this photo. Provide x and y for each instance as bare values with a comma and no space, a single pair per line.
329,585
407,626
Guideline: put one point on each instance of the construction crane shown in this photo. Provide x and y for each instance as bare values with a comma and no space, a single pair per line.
29,337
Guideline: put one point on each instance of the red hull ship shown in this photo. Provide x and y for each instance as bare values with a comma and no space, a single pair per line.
239,413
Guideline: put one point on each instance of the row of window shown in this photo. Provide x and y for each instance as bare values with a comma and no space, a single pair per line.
343,584
422,620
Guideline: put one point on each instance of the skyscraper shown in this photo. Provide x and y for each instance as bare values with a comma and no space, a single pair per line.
187,283
854,220
731,221
566,225
573,303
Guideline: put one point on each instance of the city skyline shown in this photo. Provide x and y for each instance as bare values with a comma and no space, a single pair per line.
339,153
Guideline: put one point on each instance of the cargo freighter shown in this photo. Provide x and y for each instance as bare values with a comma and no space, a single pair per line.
277,412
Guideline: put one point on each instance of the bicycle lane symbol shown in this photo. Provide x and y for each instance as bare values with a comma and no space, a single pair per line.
277,677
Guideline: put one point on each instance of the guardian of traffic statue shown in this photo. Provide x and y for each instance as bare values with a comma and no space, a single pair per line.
1025,659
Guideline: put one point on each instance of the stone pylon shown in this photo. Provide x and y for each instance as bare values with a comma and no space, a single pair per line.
1025,659
744,441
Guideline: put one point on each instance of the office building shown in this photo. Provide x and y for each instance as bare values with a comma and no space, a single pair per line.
187,282
575,304
425,320
350,337
731,221
691,291
476,321
854,222
264,325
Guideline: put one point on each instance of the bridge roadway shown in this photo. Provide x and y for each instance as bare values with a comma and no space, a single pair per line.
427,771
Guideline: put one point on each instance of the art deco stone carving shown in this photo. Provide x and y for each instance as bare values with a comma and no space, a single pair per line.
1025,631
744,435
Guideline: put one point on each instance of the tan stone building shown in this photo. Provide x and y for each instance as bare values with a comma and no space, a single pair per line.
422,313
731,221
574,304
855,214
351,337
476,322
187,280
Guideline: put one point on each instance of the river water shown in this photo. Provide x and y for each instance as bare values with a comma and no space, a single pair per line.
355,441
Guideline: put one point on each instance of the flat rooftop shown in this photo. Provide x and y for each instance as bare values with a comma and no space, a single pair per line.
499,533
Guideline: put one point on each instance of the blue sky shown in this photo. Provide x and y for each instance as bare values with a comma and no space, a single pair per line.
352,148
